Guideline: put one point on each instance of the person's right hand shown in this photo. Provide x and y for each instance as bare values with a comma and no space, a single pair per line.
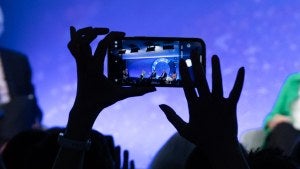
212,124
212,117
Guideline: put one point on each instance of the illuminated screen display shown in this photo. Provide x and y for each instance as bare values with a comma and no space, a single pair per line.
152,61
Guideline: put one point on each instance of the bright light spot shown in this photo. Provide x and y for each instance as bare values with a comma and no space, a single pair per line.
188,62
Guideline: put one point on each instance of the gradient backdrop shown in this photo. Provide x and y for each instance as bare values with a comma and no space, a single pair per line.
262,35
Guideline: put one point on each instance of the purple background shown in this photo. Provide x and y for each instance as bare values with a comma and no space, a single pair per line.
262,36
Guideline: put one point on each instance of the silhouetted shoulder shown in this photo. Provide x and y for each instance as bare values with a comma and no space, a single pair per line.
294,77
5,52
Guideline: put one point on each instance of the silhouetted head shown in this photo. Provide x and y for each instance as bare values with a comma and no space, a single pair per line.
19,149
36,149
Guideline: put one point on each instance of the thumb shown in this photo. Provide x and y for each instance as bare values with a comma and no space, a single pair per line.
173,118
117,157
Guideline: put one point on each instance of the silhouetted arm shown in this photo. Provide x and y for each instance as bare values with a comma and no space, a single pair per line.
212,122
94,92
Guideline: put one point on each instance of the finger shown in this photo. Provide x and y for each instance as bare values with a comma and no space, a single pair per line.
125,159
103,45
101,31
85,30
117,157
199,74
126,92
82,33
217,85
188,86
89,34
238,86
111,144
73,33
132,165
83,37
173,118
72,43
98,31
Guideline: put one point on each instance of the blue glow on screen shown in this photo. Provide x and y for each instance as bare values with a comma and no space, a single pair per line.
262,36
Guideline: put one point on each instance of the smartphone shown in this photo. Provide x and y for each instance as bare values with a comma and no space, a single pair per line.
145,61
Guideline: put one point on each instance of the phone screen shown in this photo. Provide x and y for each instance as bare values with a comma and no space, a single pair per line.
144,61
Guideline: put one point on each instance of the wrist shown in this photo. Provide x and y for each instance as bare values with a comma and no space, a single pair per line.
68,143
223,148
78,127
227,156
80,122
218,141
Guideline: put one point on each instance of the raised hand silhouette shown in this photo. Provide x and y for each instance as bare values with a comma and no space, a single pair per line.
212,124
94,93
94,90
209,112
